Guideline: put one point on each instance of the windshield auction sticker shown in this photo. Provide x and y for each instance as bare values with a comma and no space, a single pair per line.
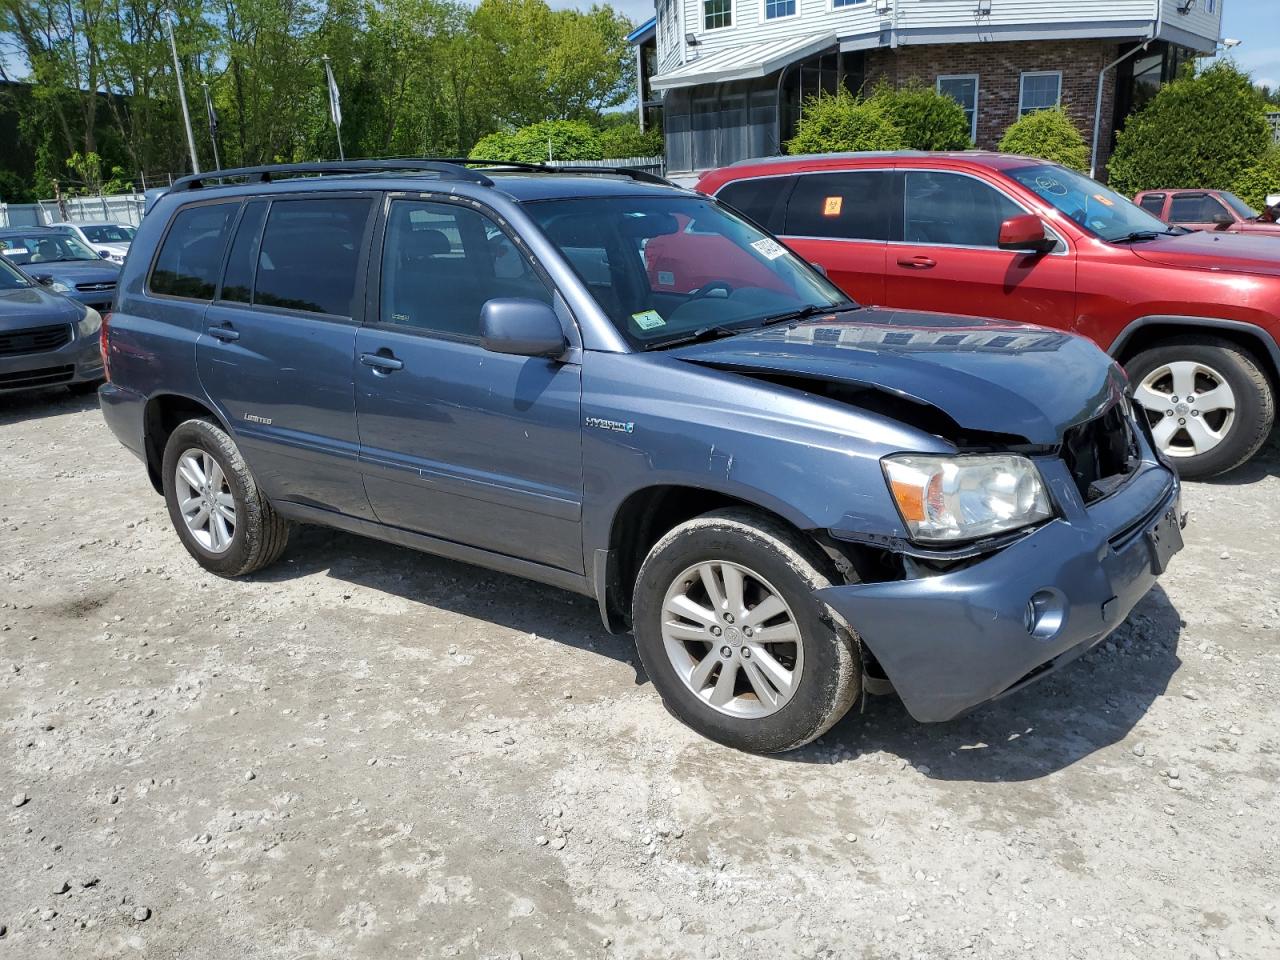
648,320
769,249
832,206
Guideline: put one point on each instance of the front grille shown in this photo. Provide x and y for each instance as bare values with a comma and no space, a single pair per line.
102,287
1101,453
34,340
36,378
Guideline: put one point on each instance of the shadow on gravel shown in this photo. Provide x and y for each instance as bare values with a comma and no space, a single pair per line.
49,402
452,586
1265,463
1084,707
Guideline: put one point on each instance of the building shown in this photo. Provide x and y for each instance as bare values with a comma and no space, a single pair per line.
727,78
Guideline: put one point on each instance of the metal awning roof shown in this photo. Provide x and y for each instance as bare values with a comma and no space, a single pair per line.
743,62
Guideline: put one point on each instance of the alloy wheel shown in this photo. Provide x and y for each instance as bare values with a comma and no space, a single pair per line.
732,639
205,500
1189,405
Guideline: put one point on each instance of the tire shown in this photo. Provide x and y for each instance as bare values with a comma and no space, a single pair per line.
1216,362
257,534
771,558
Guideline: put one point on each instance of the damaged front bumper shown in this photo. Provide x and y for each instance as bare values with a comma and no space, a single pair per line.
952,641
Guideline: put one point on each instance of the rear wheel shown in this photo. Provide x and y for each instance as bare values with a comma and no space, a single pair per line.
735,642
1209,403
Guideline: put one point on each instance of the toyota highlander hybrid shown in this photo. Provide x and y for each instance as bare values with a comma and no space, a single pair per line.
789,498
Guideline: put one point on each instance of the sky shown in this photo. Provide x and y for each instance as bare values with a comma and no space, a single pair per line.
1257,24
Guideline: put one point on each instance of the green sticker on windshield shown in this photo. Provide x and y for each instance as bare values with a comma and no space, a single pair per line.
648,320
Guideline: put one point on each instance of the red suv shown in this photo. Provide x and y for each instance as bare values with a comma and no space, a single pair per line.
1194,317
1218,210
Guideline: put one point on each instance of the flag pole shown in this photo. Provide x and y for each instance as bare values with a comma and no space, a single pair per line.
213,126
182,96
335,104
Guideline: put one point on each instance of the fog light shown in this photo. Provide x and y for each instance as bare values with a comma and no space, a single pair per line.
1045,614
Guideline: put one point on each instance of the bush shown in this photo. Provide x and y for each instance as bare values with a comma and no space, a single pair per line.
1201,130
629,141
1049,135
566,140
929,120
829,123
1260,180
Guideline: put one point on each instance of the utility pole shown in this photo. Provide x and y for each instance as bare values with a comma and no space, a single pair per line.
182,96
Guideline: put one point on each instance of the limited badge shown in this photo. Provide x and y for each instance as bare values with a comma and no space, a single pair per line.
832,206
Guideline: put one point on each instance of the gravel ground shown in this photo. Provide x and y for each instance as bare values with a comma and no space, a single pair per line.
365,752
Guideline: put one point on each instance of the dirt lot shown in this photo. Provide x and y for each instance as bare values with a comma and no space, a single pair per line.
370,753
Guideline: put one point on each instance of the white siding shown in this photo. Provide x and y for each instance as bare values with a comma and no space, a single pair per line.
960,13
1198,21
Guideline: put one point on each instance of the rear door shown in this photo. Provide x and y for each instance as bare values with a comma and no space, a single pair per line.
277,353
456,442
949,259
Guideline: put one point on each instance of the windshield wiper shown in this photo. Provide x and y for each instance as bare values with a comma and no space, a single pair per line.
702,333
804,313
1139,235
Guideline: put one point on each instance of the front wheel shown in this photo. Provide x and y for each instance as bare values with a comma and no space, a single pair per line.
1209,403
729,631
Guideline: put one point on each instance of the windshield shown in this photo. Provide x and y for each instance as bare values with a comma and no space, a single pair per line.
1241,208
1096,208
11,278
44,248
107,233
667,268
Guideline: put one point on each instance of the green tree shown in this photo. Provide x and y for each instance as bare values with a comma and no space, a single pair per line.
1202,130
630,141
1259,181
1049,135
929,120
540,142
841,121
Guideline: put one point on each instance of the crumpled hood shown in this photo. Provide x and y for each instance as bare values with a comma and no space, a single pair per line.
34,307
986,375
1227,252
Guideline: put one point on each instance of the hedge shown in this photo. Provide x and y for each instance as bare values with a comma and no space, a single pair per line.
1050,135
567,139
841,121
1259,181
929,120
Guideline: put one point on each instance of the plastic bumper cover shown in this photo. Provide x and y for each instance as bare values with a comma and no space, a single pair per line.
76,361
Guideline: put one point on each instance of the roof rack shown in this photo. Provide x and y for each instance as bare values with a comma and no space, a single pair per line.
641,176
446,169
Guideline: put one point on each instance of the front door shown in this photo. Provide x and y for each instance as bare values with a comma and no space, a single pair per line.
278,348
949,259
1199,211
457,442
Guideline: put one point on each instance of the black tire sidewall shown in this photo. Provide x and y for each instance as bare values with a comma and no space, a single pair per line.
203,435
1255,406
819,694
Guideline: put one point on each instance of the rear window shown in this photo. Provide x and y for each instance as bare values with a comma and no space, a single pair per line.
310,250
846,206
191,255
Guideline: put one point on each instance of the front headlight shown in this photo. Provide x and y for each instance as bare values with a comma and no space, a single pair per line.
90,323
57,286
951,499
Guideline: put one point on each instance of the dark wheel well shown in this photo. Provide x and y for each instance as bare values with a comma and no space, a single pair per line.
641,521
1155,334
163,414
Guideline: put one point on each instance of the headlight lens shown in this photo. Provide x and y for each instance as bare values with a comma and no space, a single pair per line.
90,323
59,287
950,499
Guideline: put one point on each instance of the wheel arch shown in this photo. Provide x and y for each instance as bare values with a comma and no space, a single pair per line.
1149,331
162,415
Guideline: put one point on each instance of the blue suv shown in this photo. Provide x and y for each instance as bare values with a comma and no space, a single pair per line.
790,499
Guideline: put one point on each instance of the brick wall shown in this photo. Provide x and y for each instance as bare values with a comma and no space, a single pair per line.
999,66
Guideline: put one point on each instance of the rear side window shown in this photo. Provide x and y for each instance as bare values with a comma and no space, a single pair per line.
1153,203
763,200
954,210
237,282
848,206
1195,208
309,255
191,255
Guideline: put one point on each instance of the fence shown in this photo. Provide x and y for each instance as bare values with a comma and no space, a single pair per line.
647,164
124,208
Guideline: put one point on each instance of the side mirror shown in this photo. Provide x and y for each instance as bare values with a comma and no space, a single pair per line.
521,327
1222,220
1026,234
104,254
43,279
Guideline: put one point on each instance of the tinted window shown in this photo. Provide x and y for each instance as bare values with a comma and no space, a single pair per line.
764,200
237,282
1195,208
191,256
106,233
1153,203
948,208
441,262
310,250
853,206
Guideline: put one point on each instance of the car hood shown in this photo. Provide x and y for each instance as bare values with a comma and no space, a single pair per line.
34,307
76,271
988,376
1227,252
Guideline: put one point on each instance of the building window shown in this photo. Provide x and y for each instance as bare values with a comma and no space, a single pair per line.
717,14
964,91
776,9
1039,91
837,4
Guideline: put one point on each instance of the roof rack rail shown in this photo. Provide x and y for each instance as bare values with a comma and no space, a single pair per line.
641,176
447,169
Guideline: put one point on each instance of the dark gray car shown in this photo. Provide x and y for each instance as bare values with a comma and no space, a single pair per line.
790,499
59,260
45,338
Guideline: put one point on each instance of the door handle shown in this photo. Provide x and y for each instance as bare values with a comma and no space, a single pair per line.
226,333
919,262
382,363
